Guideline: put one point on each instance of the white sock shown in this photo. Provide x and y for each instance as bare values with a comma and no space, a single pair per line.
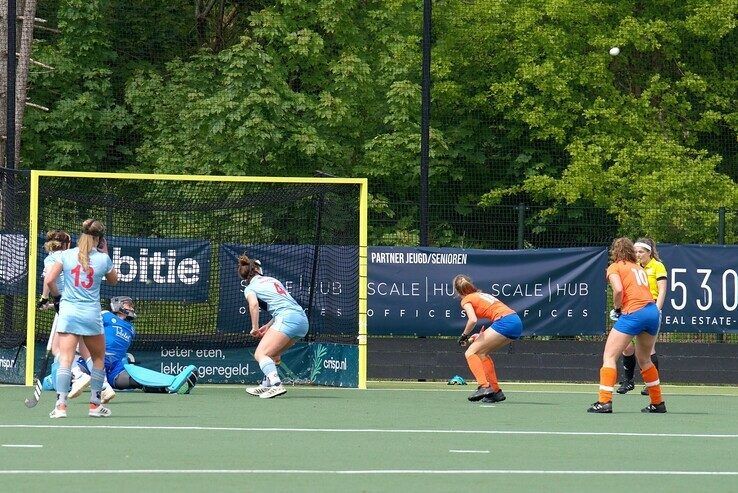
270,370
89,363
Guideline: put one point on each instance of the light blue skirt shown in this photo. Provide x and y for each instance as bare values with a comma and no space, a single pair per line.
291,323
83,319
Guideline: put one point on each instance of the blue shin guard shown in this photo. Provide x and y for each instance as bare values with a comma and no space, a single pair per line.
49,381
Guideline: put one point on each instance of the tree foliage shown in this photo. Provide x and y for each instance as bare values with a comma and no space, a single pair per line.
528,106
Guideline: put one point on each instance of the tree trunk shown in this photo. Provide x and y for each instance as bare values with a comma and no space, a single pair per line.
26,42
3,76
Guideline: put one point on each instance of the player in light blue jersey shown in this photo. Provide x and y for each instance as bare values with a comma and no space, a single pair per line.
56,242
84,268
288,323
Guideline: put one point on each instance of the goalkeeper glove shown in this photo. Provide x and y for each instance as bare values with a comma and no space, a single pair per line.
615,314
463,338
43,303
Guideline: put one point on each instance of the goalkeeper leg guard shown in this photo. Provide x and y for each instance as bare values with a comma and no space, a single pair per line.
182,379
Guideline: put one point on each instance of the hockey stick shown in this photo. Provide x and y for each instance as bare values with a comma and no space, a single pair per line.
37,384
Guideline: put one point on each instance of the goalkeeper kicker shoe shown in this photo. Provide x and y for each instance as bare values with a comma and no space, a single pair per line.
655,408
600,408
99,411
79,385
273,391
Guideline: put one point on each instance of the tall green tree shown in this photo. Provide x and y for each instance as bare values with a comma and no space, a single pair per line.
81,130
571,125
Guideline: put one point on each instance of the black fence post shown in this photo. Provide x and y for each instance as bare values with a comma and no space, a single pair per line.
521,226
721,241
425,122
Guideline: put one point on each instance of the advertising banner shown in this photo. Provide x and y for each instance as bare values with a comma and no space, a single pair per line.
304,363
702,288
13,264
555,291
154,268
334,307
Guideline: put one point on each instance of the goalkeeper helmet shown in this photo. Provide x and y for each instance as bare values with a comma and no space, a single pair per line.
124,305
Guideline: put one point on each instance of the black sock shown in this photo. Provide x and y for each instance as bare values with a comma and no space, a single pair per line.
655,360
629,364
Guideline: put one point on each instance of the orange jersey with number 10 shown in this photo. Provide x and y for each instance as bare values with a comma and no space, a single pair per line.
636,293
486,306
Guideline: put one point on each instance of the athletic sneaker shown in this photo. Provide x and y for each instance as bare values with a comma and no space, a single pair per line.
644,391
99,411
600,407
495,397
79,385
480,393
107,395
655,408
625,387
257,391
60,411
273,391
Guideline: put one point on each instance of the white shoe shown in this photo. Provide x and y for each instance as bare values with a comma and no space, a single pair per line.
99,412
273,391
59,411
107,395
257,391
79,385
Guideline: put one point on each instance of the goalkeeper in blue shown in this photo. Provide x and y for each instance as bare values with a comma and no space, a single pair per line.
120,371
288,323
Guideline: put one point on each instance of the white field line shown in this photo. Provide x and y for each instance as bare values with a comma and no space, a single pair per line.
593,386
469,451
375,430
454,388
13,445
368,472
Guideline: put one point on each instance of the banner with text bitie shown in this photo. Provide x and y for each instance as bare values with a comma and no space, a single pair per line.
555,291
156,268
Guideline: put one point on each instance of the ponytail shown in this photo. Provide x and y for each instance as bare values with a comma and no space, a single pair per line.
463,285
92,231
56,240
248,268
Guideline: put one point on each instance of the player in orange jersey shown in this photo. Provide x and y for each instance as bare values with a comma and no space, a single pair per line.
648,258
505,327
636,316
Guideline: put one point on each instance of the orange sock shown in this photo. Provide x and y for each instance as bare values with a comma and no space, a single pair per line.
490,373
477,368
653,384
608,377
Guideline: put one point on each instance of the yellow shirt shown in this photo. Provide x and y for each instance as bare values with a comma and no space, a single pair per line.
655,271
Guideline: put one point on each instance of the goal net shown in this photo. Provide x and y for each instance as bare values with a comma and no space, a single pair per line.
175,241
